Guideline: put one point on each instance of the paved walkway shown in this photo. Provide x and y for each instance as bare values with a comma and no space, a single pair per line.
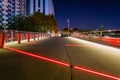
16,66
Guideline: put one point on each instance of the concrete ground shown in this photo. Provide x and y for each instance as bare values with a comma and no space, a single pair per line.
16,66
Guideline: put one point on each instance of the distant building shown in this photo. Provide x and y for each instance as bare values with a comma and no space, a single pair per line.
43,6
9,9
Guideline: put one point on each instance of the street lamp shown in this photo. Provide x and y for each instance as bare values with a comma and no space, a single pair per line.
68,21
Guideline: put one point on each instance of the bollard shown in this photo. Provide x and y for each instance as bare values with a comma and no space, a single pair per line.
19,38
28,37
11,35
2,40
38,36
41,36
34,36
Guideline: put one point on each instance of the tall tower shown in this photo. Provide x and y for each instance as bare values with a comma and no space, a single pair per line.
4,12
0,13
43,6
9,9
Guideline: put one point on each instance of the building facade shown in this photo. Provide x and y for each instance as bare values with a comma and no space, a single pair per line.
0,12
9,9
43,6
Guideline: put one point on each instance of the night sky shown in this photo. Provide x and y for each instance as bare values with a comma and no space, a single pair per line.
88,14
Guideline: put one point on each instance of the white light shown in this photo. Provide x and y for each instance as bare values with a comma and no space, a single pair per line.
23,41
11,43
99,46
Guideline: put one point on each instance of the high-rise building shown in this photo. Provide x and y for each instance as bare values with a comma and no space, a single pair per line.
4,12
43,6
0,12
9,9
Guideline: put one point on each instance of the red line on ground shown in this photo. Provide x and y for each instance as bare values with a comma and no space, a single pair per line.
98,73
37,56
33,43
62,63
74,45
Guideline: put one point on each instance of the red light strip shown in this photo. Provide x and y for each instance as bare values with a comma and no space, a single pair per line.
36,56
98,73
33,43
73,45
62,63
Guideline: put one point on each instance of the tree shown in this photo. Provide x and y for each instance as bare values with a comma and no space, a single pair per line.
37,22
18,23
52,23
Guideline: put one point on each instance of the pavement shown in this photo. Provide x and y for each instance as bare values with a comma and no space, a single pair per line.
76,52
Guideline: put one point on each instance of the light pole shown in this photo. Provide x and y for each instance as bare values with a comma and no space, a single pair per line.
68,21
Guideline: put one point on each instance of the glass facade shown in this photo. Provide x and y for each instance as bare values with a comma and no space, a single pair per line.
38,3
43,6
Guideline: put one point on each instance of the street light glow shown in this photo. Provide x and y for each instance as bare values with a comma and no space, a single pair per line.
99,46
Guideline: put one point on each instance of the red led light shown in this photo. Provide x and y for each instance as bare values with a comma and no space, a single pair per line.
112,41
28,37
64,64
73,45
33,43
3,38
98,73
37,56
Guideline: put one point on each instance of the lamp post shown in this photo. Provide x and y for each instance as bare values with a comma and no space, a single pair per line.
68,21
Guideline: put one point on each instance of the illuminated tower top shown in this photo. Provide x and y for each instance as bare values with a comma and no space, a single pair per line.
43,6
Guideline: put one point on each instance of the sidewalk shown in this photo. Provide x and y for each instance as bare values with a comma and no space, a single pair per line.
11,66
15,66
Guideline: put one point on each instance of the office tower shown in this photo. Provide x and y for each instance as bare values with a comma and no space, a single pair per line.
43,6
3,12
0,12
9,9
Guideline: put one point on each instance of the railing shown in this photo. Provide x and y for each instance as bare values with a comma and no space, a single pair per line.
7,36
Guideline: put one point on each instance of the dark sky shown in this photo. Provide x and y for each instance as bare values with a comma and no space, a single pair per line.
88,14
